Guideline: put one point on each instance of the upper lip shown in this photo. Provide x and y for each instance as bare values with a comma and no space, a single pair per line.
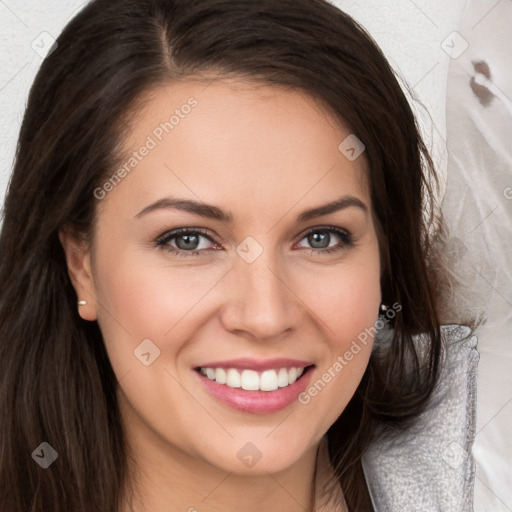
257,364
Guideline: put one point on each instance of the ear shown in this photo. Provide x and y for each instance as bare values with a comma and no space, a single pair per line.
78,259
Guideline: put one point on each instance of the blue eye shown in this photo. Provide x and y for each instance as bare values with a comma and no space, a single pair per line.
185,242
194,242
320,239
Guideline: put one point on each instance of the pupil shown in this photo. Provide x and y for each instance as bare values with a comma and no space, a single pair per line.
319,240
190,241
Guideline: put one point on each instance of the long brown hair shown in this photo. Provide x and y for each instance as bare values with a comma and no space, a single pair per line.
56,381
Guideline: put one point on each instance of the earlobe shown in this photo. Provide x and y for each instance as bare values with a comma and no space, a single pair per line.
78,260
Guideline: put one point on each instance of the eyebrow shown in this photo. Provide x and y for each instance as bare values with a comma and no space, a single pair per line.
215,213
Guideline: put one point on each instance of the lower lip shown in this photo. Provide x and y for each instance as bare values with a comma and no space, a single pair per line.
257,402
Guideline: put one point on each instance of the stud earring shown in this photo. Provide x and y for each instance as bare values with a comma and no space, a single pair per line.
82,302
383,309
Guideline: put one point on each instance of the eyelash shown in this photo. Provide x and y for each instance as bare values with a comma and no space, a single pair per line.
347,240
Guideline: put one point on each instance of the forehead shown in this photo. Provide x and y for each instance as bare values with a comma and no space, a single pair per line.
237,142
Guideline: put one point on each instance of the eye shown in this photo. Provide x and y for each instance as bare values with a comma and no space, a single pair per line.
186,241
195,241
328,239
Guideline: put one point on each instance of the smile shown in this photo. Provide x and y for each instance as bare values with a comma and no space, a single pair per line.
251,380
256,387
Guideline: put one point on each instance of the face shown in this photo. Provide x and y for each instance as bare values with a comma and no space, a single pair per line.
239,244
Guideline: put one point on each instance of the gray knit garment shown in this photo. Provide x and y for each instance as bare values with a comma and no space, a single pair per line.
430,467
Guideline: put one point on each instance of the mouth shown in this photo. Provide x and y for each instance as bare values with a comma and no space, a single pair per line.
252,380
252,390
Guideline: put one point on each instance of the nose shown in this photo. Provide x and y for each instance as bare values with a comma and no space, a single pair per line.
260,301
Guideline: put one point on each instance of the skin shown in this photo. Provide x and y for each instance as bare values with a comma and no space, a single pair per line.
265,154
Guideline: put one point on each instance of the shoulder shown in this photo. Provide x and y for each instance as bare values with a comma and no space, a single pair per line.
429,467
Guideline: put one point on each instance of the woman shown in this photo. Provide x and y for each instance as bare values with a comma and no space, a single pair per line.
270,145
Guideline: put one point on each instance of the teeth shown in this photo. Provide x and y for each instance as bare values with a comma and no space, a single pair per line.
220,376
250,380
268,380
282,378
234,380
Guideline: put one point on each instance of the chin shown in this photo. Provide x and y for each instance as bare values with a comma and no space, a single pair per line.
258,456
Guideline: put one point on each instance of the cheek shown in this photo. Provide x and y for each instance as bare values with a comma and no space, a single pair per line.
345,299
349,312
347,305
142,299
